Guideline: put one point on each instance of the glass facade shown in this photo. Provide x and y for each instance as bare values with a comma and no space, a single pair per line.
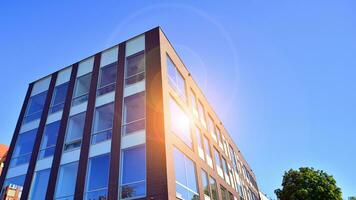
135,68
23,148
74,132
107,79
58,98
35,107
134,113
133,172
39,184
175,79
103,122
81,90
180,123
185,173
49,140
97,177
66,179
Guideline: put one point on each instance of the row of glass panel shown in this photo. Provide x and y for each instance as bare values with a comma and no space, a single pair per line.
180,124
133,113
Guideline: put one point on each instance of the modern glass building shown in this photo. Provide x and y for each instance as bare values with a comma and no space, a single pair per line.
126,123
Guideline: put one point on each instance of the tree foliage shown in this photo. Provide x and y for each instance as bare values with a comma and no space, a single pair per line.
308,184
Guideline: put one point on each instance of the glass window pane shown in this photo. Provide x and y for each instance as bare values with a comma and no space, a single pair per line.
134,113
199,139
107,79
205,183
103,122
23,148
185,176
12,185
217,158
35,107
98,176
75,130
59,97
207,147
214,189
223,193
66,180
133,173
180,123
175,78
201,112
39,184
81,90
49,139
135,67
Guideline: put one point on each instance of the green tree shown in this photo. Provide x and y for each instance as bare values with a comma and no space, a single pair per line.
308,184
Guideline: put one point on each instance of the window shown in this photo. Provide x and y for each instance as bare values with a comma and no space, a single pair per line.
214,189
39,184
193,103
81,91
23,148
133,172
205,182
224,164
186,184
201,113
107,79
175,79
199,143
233,158
15,181
34,107
134,113
180,123
74,131
207,147
135,68
217,158
49,140
224,194
97,177
103,122
218,133
231,196
67,176
59,97
211,128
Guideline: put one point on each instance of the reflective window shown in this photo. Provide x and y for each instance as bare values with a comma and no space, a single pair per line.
193,103
49,140
103,122
180,123
134,113
207,147
224,164
214,189
107,79
211,128
34,107
205,183
218,133
15,183
67,176
23,148
199,139
201,112
175,79
186,184
81,90
217,158
97,178
133,172
74,131
39,184
224,194
232,156
59,97
135,68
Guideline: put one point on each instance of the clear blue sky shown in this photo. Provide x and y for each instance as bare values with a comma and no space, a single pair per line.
280,74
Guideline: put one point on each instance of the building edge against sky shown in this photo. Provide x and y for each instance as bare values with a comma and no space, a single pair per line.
133,117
